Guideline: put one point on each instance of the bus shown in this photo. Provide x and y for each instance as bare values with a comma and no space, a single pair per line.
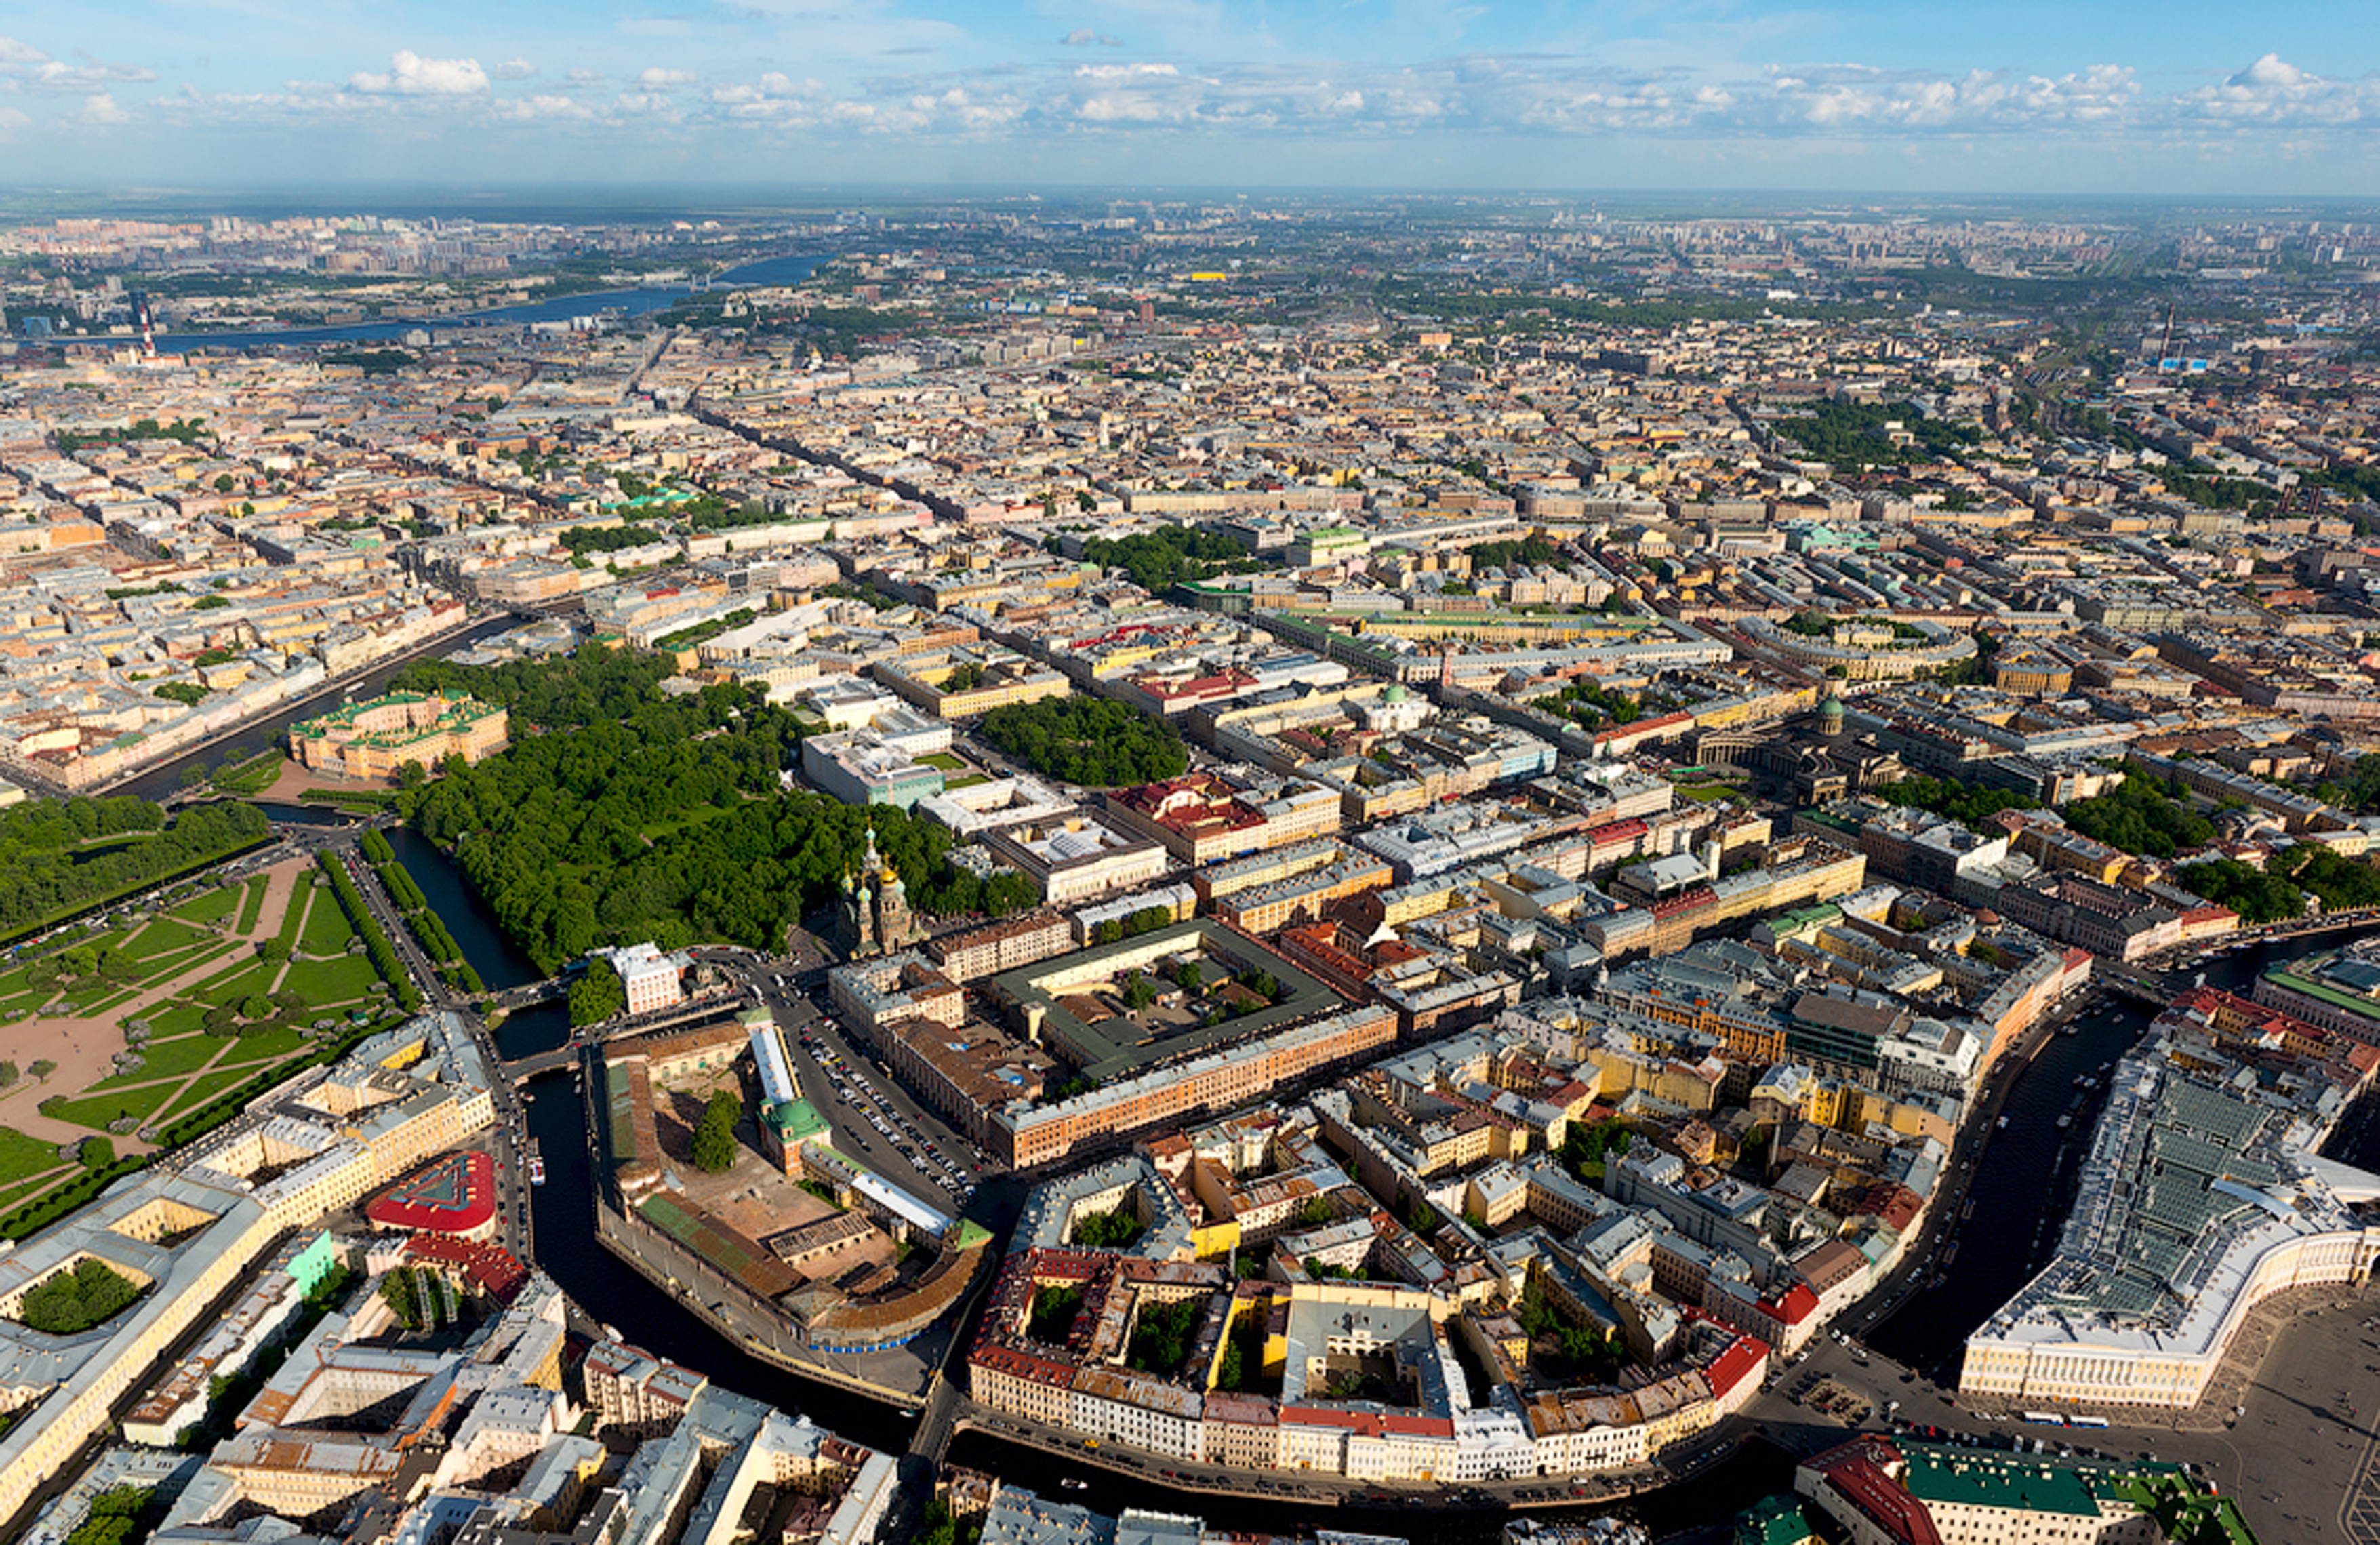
2048,1419
2086,1421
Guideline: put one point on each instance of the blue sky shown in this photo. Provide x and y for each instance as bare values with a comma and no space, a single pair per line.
2184,97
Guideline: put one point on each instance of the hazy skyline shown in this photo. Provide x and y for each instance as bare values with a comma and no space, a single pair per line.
2027,97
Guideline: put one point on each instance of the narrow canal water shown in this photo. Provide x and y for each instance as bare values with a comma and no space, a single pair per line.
2026,1178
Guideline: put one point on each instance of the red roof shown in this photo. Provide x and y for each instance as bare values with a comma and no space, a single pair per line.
1742,1360
490,1268
453,1195
1857,1471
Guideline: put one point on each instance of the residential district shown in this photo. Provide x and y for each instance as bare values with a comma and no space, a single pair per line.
1533,784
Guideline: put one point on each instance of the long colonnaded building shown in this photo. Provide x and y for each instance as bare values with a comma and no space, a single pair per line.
2199,1200
189,1229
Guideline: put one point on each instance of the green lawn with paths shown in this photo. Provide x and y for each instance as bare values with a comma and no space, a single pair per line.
212,905
230,987
252,904
300,899
22,1156
167,1059
206,1088
264,1046
176,1020
338,981
96,1111
327,931
164,936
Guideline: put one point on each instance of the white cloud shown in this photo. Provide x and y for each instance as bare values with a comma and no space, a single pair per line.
2274,92
411,75
1839,97
100,108
61,78
515,69
585,76
15,52
544,105
659,76
12,119
1083,37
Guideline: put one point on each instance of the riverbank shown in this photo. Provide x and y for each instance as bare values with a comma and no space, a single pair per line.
174,759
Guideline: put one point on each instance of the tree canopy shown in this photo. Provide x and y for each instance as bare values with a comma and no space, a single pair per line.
46,870
2143,817
638,817
1088,740
714,1138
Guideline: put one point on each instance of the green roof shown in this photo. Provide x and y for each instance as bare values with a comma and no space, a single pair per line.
1774,1521
2353,1002
1979,1478
795,1120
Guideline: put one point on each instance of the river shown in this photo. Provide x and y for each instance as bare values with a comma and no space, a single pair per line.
265,734
2013,1233
2008,1237
627,302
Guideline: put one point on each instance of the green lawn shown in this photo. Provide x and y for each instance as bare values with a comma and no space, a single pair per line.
22,1156
945,761
175,1020
266,1046
321,982
251,777
164,936
230,987
165,967
207,1088
96,1111
14,1197
295,917
656,830
968,782
214,904
167,1059
112,1001
252,902
327,930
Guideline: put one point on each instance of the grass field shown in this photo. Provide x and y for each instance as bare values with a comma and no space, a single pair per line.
230,987
327,930
172,1021
252,776
252,905
271,1045
164,935
212,905
96,1111
22,1156
167,1059
300,899
942,759
338,981
212,1086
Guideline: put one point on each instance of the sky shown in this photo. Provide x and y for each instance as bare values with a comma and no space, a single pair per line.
2023,96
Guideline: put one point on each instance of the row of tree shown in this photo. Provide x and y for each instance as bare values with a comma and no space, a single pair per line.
45,870
377,948
428,928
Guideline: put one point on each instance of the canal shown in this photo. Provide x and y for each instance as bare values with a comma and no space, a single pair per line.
624,302
2027,1173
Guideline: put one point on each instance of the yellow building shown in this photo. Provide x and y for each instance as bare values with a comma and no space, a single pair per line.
374,740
